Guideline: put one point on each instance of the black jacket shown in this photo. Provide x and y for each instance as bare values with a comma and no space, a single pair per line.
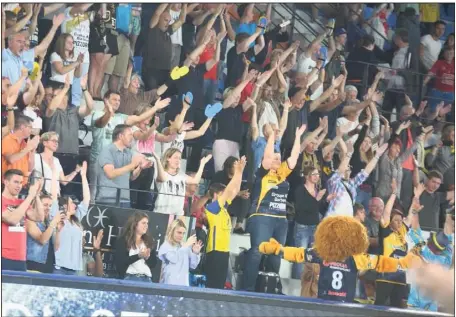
123,259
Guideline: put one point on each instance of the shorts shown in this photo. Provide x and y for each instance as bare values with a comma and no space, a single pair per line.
102,44
135,24
118,64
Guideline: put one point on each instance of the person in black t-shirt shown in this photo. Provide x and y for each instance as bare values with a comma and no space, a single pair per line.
235,57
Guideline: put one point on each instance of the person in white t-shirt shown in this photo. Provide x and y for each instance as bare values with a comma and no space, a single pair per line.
63,60
178,14
431,45
77,23
45,162
171,183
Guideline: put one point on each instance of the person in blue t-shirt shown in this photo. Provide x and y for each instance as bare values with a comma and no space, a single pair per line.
438,249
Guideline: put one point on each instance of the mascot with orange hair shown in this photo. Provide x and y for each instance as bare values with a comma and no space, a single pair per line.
340,249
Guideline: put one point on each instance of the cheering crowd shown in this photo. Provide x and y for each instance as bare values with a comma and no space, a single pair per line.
211,111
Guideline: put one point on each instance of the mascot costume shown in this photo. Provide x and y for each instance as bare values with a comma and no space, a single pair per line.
340,249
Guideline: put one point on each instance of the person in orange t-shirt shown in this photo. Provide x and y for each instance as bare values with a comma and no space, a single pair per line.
16,152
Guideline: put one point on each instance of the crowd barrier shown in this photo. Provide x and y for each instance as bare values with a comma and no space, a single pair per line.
32,294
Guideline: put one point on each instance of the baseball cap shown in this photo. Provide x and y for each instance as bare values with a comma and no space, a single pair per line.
339,31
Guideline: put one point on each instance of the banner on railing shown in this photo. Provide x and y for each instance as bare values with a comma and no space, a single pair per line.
112,220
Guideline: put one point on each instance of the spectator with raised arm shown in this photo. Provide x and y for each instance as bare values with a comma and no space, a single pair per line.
178,257
219,222
64,119
438,249
171,182
390,165
15,214
178,12
103,125
14,56
68,236
268,210
344,188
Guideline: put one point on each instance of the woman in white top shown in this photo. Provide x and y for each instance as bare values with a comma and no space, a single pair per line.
145,136
45,162
177,257
171,184
135,252
63,61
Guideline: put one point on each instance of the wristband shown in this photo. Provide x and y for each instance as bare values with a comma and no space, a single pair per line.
377,156
349,155
10,109
84,90
96,250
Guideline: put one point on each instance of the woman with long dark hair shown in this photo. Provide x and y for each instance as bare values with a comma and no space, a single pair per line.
69,232
135,250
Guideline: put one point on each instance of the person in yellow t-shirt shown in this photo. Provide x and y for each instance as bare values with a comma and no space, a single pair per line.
219,222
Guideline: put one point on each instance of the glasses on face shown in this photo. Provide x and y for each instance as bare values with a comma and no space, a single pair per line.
54,141
315,174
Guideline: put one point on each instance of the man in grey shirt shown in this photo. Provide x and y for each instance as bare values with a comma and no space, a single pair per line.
117,166
372,222
433,202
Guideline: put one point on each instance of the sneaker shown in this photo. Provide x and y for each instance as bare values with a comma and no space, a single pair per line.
239,231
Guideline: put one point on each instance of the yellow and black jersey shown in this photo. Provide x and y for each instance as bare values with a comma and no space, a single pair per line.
270,192
393,244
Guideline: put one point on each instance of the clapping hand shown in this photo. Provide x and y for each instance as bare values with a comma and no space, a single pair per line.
197,247
190,241
97,240
300,131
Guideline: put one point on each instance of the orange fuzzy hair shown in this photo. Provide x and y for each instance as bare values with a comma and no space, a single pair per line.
339,237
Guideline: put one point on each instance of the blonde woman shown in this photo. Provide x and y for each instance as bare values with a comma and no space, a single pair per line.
177,257
171,184
46,162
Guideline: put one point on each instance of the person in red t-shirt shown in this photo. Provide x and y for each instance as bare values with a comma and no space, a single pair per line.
443,71
15,212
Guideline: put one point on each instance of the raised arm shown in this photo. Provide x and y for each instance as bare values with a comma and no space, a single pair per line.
57,20
244,45
385,219
317,41
236,93
149,113
326,94
34,21
234,186
161,174
295,150
197,177
200,132
216,58
15,216
229,27
284,119
85,184
20,25
86,108
183,14
373,162
197,51
314,134
156,16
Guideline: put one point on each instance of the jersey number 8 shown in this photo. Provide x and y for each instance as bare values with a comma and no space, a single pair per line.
337,280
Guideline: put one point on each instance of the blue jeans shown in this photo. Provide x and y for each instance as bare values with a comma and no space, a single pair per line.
363,198
130,277
62,271
13,265
303,238
261,229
